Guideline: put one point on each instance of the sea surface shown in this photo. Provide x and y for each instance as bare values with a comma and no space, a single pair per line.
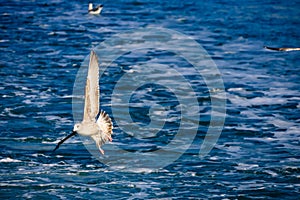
44,46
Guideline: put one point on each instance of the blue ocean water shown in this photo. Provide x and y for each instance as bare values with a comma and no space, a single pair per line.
257,156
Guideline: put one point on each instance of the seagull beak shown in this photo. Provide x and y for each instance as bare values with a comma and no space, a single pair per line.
63,140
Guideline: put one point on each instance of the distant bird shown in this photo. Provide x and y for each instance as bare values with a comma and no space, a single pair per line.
282,48
95,11
94,124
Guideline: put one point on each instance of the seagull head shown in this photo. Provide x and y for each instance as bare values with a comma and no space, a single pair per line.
77,127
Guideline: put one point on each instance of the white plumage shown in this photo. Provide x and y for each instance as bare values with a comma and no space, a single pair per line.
99,129
95,11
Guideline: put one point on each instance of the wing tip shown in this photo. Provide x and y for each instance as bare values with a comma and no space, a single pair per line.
93,56
93,52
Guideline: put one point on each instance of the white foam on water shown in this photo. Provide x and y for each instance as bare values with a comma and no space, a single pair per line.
9,112
9,160
281,123
245,166
235,89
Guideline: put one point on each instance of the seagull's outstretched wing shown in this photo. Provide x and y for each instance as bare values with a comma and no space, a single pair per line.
91,103
105,124
282,48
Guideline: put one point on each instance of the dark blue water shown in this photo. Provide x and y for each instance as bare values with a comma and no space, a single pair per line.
257,156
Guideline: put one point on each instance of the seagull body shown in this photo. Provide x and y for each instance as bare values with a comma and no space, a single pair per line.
282,48
98,128
95,11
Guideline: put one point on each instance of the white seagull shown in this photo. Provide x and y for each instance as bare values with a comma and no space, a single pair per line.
95,11
282,48
94,124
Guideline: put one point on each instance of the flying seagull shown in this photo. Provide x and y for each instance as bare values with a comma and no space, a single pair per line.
282,48
95,11
94,124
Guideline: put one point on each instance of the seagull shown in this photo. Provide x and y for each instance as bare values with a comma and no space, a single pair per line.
282,48
94,124
95,11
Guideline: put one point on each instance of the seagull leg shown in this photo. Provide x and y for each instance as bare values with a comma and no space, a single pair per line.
109,138
99,147
101,150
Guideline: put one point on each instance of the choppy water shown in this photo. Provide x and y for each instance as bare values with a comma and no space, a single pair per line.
43,45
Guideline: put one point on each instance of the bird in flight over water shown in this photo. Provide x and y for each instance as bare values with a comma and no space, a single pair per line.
94,124
95,11
282,48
